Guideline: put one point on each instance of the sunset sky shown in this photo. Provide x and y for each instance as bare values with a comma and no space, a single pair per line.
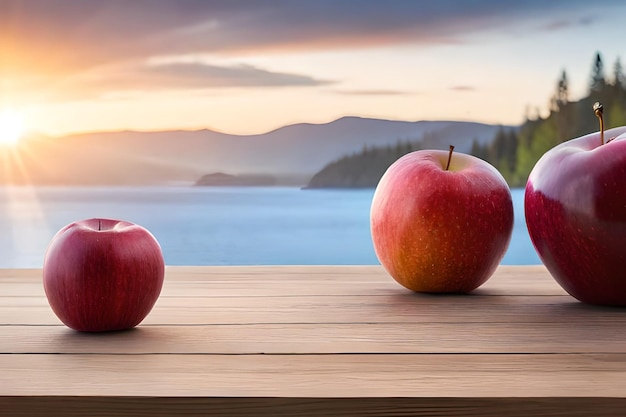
252,66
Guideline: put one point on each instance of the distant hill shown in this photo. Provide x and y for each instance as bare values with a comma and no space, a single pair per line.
364,169
360,170
291,154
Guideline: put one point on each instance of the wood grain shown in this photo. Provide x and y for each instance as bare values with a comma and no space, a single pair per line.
283,339
395,307
331,376
97,406
291,281
318,341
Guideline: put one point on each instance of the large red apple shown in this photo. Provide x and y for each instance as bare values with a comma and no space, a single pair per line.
440,228
575,207
101,275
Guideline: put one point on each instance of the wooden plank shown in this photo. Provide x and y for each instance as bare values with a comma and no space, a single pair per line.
398,307
309,407
294,289
323,338
289,273
244,273
261,281
390,308
315,376
8,275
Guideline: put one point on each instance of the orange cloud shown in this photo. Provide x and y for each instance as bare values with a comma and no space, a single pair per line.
63,45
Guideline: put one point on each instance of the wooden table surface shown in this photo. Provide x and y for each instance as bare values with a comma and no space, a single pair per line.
318,340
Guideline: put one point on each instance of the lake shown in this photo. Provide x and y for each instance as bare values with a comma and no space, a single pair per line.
214,226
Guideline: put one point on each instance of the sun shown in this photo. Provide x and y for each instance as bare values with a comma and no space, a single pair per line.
11,127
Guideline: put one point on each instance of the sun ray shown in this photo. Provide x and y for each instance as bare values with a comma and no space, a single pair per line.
20,207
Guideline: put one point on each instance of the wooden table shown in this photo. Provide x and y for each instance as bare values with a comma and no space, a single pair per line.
318,340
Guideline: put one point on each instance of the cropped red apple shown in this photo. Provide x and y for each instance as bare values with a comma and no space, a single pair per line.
575,207
101,275
441,222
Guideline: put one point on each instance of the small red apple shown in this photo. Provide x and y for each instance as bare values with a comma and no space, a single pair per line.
102,275
575,207
441,223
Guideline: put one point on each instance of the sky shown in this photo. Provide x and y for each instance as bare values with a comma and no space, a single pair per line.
250,66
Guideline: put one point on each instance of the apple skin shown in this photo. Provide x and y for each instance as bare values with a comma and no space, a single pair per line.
437,230
575,208
103,275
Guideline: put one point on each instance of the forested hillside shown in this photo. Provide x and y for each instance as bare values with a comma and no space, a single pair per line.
515,153
363,169
513,150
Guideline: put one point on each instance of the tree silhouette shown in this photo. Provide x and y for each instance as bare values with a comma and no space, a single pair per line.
619,81
598,81
562,93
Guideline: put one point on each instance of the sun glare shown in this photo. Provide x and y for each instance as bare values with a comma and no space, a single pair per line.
11,127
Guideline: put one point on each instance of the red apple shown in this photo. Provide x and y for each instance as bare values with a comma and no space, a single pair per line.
101,275
575,207
441,222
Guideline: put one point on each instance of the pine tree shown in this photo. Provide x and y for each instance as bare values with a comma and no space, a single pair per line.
562,93
478,150
619,80
598,80
562,110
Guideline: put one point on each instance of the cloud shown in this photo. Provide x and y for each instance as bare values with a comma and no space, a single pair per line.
243,75
462,88
131,79
559,24
56,41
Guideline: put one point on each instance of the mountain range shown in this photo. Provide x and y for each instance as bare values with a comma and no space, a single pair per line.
291,154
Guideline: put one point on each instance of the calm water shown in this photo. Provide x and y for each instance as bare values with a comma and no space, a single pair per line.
214,226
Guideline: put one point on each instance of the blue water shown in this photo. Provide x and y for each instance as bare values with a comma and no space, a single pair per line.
214,226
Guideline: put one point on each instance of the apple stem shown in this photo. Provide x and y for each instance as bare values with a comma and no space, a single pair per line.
449,157
99,225
597,110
